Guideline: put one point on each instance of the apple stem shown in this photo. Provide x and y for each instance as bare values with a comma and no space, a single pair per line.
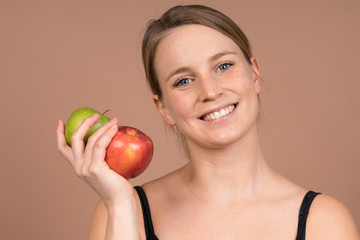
105,112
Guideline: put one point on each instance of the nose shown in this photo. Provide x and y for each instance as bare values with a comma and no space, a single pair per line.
210,89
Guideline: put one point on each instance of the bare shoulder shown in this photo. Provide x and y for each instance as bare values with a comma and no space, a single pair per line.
330,219
163,184
98,222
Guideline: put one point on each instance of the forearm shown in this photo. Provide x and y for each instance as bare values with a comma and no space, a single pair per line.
122,222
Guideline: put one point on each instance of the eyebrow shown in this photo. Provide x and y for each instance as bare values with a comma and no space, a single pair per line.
188,69
219,55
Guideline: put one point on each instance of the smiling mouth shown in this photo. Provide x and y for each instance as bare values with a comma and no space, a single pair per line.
218,114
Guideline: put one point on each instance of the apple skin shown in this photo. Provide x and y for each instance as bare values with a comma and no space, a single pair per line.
129,152
77,117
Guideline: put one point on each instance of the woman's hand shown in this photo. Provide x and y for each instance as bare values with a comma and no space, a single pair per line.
89,163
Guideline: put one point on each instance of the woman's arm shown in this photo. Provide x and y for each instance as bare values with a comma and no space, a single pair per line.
119,223
100,219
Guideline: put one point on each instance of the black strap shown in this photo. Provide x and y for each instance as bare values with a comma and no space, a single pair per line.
304,211
149,229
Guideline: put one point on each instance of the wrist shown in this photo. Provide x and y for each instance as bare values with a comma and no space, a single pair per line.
119,207
122,220
119,200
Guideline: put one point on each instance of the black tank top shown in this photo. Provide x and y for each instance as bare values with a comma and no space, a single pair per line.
149,229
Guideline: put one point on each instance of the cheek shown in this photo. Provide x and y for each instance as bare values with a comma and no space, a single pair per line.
179,106
183,109
242,84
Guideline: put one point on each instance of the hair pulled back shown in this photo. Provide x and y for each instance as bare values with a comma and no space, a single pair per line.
179,16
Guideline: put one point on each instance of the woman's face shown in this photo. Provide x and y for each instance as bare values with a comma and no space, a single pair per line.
209,89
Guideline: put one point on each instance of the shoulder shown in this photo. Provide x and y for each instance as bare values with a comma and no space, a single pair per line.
98,221
330,219
164,186
164,193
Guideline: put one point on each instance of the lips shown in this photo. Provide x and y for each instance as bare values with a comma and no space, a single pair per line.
218,113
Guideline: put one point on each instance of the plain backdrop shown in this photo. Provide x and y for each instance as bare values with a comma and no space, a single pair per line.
56,56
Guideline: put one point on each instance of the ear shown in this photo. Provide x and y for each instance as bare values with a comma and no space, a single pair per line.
256,73
163,111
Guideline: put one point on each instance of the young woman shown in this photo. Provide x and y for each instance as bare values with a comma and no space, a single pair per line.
206,86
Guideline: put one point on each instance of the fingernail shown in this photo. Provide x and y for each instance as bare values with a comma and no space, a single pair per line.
114,120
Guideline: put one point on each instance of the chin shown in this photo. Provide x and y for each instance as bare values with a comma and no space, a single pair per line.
220,140
232,136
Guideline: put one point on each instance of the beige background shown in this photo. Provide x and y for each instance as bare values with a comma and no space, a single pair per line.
56,56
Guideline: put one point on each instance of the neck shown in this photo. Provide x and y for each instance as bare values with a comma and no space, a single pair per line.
227,174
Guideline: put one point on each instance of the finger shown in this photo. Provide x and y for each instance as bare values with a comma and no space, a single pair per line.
99,149
62,146
77,141
101,131
92,141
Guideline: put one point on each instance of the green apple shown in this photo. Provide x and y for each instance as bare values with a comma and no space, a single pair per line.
77,117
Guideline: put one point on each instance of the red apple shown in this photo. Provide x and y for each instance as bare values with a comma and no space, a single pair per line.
129,152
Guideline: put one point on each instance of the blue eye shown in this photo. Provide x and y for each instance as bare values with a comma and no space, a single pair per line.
183,82
223,67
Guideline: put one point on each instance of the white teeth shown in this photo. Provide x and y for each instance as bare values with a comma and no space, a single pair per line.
218,114
227,111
